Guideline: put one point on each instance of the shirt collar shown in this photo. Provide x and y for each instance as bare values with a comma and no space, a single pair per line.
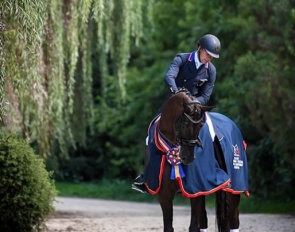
194,57
198,63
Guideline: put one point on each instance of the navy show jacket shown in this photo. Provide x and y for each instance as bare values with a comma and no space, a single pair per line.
183,73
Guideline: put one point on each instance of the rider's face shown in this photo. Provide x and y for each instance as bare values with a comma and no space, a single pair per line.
204,56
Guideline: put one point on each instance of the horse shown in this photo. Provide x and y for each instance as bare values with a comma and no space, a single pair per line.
174,143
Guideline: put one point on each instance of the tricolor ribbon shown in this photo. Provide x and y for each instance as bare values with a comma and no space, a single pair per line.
172,157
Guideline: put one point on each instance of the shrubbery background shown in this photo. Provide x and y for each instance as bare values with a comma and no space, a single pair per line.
27,191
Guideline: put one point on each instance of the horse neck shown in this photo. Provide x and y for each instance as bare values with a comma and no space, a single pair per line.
166,127
168,136
170,113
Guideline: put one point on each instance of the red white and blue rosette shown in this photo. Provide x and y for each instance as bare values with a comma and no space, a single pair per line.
173,158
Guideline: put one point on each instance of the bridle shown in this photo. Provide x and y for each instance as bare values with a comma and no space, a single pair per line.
191,118
178,127
190,142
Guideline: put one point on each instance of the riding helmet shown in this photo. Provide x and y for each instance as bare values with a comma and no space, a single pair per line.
212,45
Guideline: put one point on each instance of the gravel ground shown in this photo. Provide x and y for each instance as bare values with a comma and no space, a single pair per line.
92,215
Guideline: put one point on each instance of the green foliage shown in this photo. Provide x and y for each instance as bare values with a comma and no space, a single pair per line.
74,95
108,189
122,128
46,64
21,37
113,189
254,85
259,95
104,189
271,175
27,191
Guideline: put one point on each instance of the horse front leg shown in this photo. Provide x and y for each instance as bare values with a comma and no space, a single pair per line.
234,201
166,203
166,197
199,220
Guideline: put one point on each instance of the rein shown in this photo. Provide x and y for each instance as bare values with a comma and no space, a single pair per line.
168,140
187,142
192,142
172,154
192,120
183,126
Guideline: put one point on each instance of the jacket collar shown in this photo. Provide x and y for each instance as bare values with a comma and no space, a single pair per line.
191,58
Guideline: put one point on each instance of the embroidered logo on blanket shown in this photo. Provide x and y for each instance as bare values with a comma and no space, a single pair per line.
237,163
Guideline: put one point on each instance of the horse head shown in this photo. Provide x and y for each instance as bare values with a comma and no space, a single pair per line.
181,121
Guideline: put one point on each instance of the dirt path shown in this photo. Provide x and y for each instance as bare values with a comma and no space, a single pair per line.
91,215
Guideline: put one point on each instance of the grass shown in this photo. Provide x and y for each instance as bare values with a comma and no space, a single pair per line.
120,190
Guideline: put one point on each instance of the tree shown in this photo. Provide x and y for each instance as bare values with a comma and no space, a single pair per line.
257,93
46,64
254,74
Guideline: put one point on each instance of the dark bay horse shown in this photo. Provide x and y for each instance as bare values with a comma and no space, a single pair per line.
173,146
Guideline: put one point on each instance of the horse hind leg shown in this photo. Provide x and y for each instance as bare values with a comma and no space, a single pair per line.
199,220
234,201
227,211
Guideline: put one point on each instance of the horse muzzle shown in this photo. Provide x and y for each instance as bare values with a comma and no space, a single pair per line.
187,151
187,155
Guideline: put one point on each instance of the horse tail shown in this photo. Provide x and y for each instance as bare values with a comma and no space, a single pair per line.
222,201
222,211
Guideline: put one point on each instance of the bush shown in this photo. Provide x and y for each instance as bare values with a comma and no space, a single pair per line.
27,191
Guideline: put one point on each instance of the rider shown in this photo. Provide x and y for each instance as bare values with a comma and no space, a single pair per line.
196,73
194,70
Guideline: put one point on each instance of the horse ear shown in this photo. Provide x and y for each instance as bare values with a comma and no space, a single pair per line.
207,108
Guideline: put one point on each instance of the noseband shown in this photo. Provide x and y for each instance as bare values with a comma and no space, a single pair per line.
191,142
180,120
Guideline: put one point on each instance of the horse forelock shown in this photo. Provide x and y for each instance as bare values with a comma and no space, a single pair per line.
191,105
179,103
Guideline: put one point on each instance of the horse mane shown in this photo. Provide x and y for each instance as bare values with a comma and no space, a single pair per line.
184,90
187,93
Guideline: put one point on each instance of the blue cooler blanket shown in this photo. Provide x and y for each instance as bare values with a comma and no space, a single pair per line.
203,176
